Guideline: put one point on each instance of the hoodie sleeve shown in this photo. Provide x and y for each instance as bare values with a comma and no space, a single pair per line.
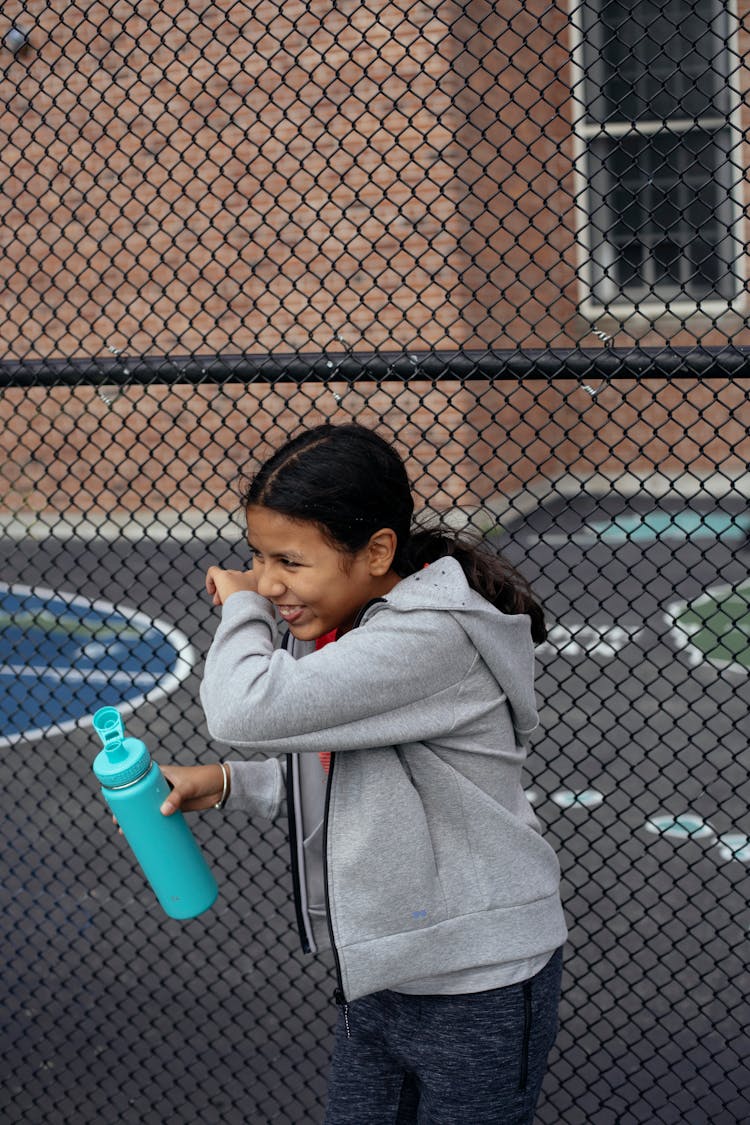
394,679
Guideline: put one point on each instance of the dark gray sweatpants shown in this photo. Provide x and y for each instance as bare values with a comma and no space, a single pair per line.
474,1059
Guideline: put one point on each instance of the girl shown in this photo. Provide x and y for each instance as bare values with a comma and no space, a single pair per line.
387,674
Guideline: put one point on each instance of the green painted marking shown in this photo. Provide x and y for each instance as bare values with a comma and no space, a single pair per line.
718,624
66,625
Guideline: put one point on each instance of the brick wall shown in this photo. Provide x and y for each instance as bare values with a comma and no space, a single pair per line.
180,450
242,176
225,177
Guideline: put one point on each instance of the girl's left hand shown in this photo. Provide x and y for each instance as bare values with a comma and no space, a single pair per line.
221,583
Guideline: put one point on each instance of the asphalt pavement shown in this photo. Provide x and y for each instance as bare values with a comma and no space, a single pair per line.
640,775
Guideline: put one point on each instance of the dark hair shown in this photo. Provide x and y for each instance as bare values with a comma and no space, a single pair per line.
350,482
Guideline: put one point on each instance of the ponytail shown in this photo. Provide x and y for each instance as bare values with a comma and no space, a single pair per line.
486,571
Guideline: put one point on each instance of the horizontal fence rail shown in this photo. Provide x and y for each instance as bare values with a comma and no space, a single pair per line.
609,363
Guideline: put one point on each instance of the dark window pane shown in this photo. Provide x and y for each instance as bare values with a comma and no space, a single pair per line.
661,216
629,265
655,59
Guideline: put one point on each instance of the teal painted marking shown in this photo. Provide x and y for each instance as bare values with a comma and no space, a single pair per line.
686,826
647,527
734,846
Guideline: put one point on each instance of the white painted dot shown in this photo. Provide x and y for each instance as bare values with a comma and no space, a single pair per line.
582,798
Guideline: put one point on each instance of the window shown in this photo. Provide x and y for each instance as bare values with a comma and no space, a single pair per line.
659,152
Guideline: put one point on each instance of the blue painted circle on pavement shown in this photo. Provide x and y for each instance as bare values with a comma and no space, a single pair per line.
62,656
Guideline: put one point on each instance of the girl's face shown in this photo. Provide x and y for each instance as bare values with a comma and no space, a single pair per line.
314,586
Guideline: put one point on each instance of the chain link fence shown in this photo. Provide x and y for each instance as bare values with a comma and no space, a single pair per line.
512,238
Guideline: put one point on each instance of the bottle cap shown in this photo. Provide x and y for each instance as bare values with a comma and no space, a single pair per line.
123,760
108,725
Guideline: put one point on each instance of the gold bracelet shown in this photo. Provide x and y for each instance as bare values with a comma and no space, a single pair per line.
225,788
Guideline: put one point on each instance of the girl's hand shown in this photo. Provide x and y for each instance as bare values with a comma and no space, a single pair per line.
193,787
221,583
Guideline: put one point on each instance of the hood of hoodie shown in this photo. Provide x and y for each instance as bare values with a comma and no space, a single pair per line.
502,640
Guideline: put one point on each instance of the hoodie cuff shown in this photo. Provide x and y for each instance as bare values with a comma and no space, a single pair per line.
258,788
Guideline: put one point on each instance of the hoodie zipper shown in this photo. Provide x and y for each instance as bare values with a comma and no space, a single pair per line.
294,861
338,996
292,835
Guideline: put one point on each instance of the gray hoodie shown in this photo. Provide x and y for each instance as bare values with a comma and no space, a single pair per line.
419,858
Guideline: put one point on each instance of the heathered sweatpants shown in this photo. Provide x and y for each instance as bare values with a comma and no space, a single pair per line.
474,1059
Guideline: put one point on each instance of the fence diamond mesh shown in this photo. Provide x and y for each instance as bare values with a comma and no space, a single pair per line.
512,238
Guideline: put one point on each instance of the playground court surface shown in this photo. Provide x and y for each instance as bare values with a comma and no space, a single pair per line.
113,1012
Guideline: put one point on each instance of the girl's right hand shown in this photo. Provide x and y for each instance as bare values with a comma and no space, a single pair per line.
193,787
221,583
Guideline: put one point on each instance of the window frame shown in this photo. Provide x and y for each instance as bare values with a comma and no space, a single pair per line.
586,132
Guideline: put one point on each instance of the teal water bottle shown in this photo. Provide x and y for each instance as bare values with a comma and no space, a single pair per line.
135,788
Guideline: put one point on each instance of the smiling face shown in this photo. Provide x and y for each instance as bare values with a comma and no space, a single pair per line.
314,586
